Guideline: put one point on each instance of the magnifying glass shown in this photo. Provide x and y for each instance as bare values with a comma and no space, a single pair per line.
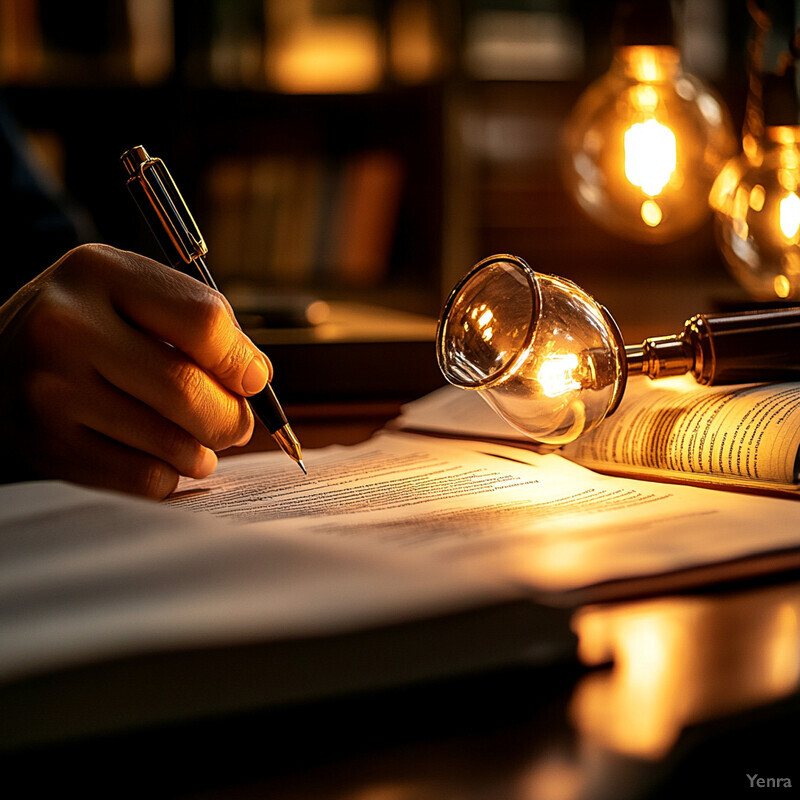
551,360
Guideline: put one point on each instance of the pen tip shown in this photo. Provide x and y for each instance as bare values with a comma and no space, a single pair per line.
302,467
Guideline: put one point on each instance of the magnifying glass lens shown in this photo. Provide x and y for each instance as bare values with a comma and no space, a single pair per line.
538,349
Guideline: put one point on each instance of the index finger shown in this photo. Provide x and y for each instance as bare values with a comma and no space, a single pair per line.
196,319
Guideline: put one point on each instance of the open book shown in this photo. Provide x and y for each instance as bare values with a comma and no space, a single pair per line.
746,437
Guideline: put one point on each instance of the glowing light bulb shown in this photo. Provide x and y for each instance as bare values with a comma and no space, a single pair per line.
757,214
557,374
644,144
650,156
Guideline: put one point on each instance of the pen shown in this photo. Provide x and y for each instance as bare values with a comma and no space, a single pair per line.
171,222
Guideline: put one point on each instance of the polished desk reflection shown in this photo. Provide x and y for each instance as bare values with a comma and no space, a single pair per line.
693,695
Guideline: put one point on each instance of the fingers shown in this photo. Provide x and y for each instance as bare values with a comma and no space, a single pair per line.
86,457
114,414
163,379
126,374
95,415
186,313
88,310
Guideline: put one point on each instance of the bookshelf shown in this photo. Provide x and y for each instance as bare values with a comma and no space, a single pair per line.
295,184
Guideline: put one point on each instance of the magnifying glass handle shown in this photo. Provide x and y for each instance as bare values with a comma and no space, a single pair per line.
745,347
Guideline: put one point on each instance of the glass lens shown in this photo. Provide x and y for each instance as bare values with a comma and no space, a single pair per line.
487,322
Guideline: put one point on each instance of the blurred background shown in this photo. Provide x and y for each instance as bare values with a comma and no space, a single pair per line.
373,150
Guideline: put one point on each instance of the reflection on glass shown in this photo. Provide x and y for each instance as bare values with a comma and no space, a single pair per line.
680,661
540,350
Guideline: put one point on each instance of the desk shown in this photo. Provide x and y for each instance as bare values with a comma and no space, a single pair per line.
359,353
680,696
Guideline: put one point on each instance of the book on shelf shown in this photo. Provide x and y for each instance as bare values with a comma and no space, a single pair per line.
288,219
371,191
745,437
405,559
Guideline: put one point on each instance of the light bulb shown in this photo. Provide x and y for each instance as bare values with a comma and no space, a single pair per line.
643,145
756,198
757,214
541,351
550,360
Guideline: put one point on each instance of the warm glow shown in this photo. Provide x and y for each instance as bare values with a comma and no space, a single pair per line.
648,63
790,216
784,656
757,203
646,129
782,286
680,661
757,197
725,185
644,98
557,374
650,155
335,55
651,213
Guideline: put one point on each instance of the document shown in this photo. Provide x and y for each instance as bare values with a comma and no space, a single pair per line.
117,613
534,520
747,436
402,559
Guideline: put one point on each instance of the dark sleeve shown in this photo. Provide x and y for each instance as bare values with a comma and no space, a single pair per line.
37,228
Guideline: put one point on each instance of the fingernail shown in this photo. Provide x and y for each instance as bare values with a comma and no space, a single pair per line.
255,376
207,464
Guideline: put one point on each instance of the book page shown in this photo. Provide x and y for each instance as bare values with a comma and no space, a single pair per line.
747,433
746,436
535,520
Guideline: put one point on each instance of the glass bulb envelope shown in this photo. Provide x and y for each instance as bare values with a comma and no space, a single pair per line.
544,355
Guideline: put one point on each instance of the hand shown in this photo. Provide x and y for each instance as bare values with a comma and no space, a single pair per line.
121,373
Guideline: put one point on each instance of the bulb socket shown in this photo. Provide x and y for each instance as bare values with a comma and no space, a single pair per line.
639,22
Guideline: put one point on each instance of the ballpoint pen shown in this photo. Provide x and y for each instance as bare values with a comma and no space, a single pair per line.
171,222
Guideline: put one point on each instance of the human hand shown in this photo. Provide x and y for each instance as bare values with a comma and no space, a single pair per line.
121,373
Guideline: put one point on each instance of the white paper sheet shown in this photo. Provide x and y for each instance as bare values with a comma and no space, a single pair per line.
511,514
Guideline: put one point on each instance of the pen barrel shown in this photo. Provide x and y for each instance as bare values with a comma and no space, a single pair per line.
155,193
266,406
163,207
155,224
747,347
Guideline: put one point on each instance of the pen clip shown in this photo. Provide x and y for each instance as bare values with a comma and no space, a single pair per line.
178,234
